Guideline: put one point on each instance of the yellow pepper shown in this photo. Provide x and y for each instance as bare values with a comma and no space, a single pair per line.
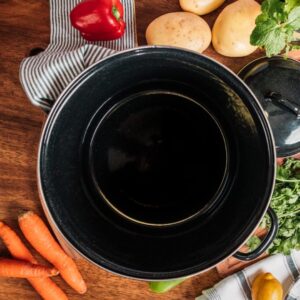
266,287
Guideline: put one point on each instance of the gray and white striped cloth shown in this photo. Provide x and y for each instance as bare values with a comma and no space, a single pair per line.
45,75
238,286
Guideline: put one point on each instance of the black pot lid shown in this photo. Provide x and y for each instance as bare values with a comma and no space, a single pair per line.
276,83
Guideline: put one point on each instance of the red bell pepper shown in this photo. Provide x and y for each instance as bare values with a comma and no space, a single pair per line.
99,20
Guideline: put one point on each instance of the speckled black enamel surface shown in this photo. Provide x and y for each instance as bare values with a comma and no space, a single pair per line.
222,221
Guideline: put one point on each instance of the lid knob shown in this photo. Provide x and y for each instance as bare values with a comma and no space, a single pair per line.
276,98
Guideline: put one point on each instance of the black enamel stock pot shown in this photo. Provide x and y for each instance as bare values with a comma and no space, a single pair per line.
157,163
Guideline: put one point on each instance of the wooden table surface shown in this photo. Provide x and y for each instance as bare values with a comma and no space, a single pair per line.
24,27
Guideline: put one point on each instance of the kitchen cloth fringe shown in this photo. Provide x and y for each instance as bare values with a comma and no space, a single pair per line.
46,75
238,286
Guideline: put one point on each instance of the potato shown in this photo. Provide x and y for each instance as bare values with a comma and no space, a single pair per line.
179,29
200,7
233,27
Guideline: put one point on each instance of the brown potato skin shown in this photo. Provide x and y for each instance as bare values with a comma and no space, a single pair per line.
233,27
179,29
200,7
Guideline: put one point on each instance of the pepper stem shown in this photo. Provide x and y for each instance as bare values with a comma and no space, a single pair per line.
116,13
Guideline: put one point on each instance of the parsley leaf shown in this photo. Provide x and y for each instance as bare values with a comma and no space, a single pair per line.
286,203
253,242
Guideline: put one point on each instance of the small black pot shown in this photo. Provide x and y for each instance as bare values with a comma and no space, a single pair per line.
157,163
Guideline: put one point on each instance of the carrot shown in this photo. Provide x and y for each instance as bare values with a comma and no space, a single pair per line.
14,244
24,269
39,236
46,288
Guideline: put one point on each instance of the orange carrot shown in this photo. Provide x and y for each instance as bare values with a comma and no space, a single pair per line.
24,269
47,289
39,236
14,244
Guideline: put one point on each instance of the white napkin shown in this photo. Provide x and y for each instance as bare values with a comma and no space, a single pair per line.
45,75
238,286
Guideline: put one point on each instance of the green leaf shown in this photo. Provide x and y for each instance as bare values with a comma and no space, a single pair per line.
276,25
164,286
270,36
290,4
253,242
286,203
294,18
273,8
261,32
261,18
272,47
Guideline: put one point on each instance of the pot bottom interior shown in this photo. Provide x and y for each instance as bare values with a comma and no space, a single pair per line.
149,157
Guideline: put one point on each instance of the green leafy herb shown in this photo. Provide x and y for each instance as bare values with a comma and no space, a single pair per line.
253,242
291,4
286,203
276,25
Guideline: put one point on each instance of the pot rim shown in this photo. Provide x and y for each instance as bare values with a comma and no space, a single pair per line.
57,106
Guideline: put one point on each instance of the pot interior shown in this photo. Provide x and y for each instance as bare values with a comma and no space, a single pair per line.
157,163
146,157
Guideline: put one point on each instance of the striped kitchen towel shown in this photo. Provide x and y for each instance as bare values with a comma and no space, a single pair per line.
238,286
45,75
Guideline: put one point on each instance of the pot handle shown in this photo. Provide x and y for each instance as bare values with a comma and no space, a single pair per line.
266,241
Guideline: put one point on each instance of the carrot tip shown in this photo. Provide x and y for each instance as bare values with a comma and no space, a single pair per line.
22,211
25,214
54,272
83,291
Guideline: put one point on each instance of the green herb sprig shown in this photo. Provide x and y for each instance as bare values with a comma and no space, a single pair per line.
276,25
286,203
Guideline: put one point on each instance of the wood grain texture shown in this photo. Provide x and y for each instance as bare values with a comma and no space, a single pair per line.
24,25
